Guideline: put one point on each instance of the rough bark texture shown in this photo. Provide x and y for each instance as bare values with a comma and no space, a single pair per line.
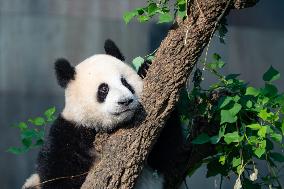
122,153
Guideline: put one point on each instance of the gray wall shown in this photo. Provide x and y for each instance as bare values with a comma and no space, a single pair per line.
33,33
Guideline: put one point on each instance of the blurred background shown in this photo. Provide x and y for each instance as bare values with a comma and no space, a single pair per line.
34,33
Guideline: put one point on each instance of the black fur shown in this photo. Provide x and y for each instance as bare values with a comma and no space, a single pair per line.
64,72
127,85
142,71
65,153
113,50
102,92
169,145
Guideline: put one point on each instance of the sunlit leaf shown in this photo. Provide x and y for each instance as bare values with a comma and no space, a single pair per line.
137,62
252,91
165,17
232,137
127,16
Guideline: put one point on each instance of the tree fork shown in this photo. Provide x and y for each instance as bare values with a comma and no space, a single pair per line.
122,153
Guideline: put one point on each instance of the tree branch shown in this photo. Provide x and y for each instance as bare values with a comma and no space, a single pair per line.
122,153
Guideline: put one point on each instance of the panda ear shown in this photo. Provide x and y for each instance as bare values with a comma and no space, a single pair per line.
113,50
64,72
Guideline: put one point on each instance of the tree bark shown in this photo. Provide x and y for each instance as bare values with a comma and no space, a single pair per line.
121,154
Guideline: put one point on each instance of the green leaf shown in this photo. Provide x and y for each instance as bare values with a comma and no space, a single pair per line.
232,137
253,140
216,65
222,160
150,58
255,126
215,139
182,13
22,126
236,161
276,137
181,2
38,121
139,11
232,76
27,142
216,57
39,142
49,114
263,114
269,90
128,16
16,150
271,75
165,17
143,18
277,156
252,91
28,134
236,98
235,109
262,131
260,150
282,127
225,101
152,8
137,62
201,139
229,116
222,29
249,104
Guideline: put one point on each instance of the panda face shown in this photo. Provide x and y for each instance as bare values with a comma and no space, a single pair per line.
103,94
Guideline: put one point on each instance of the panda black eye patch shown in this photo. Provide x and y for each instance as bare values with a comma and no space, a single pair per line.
102,92
127,85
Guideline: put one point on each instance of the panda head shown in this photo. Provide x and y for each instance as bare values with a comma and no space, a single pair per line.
102,92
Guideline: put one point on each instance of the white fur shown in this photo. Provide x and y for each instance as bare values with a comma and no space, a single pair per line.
32,182
81,105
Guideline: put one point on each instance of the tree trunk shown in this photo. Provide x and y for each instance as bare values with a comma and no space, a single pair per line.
122,153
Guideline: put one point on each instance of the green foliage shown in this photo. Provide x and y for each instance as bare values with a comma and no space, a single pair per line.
250,122
271,75
222,29
32,132
157,8
137,62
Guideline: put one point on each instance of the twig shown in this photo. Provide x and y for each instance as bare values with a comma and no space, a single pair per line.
59,178
201,12
186,186
215,26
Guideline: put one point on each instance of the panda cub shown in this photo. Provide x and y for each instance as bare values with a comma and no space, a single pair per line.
101,94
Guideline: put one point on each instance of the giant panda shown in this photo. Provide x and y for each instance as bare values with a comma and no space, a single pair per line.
101,94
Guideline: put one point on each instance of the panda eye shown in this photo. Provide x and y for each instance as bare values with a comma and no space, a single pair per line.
102,92
127,85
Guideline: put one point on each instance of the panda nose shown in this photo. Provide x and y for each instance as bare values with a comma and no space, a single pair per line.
125,102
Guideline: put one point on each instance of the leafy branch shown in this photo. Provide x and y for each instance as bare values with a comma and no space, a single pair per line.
32,132
160,8
250,122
